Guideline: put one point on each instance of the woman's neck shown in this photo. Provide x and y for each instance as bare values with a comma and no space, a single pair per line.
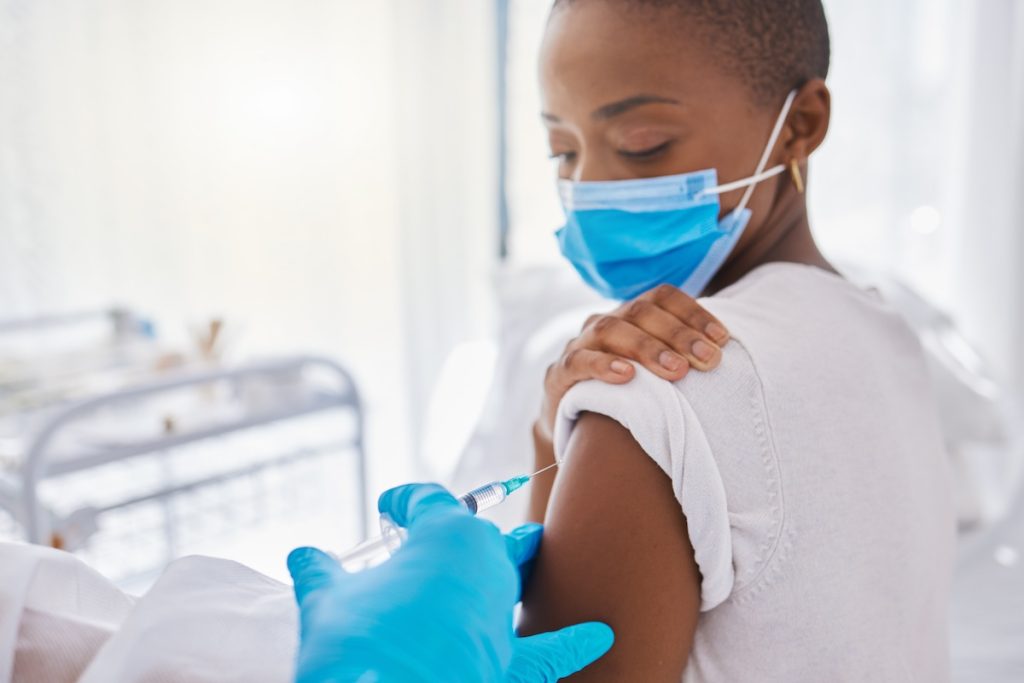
786,237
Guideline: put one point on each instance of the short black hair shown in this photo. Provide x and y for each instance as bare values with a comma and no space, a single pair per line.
774,45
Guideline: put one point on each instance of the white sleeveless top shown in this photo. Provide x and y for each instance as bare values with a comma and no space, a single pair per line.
811,471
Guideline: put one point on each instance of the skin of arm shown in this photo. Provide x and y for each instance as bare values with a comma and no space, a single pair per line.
540,488
616,549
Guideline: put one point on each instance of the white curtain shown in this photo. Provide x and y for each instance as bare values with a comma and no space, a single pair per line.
989,172
319,172
448,156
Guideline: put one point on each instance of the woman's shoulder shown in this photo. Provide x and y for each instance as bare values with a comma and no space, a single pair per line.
803,328
710,434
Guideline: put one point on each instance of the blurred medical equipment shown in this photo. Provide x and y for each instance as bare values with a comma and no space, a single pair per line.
376,550
110,449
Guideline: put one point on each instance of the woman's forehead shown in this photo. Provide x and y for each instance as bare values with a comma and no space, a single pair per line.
594,54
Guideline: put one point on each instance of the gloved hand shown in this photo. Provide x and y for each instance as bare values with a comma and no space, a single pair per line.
439,610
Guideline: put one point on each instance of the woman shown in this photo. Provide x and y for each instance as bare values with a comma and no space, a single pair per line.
786,516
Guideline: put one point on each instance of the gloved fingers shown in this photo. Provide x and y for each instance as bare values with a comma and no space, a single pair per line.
548,657
413,503
312,570
522,544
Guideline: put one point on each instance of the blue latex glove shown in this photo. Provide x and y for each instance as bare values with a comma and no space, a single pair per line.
439,610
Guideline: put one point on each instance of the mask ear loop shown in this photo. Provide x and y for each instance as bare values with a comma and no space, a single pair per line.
779,123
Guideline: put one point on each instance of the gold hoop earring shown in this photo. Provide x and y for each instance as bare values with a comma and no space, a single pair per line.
794,171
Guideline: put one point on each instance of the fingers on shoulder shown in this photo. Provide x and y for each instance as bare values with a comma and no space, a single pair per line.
687,309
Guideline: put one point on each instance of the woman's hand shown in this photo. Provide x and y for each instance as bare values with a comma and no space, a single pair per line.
664,330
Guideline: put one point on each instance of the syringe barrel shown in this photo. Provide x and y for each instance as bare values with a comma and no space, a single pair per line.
367,554
376,550
484,497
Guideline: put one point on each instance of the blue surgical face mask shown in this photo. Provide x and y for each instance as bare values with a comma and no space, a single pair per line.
625,237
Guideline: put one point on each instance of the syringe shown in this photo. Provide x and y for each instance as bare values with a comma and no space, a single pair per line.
376,550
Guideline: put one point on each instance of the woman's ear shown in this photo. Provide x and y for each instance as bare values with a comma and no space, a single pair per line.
808,120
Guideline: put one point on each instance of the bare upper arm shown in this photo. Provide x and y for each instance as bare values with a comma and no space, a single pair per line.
616,550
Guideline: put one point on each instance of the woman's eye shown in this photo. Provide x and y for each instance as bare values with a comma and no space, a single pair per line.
563,157
645,153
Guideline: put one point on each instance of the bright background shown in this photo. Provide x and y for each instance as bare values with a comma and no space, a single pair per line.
331,177
321,174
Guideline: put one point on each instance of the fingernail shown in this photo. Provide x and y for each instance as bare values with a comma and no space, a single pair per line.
621,367
671,361
716,332
703,350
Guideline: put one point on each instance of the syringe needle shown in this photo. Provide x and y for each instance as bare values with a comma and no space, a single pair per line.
543,470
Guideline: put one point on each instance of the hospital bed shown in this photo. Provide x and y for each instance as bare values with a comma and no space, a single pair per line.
114,454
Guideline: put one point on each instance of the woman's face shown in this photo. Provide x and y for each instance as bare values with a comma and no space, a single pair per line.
634,93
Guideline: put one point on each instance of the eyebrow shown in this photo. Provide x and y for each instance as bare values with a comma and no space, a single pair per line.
616,108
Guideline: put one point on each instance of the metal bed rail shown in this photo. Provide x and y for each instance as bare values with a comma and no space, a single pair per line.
39,462
60,320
